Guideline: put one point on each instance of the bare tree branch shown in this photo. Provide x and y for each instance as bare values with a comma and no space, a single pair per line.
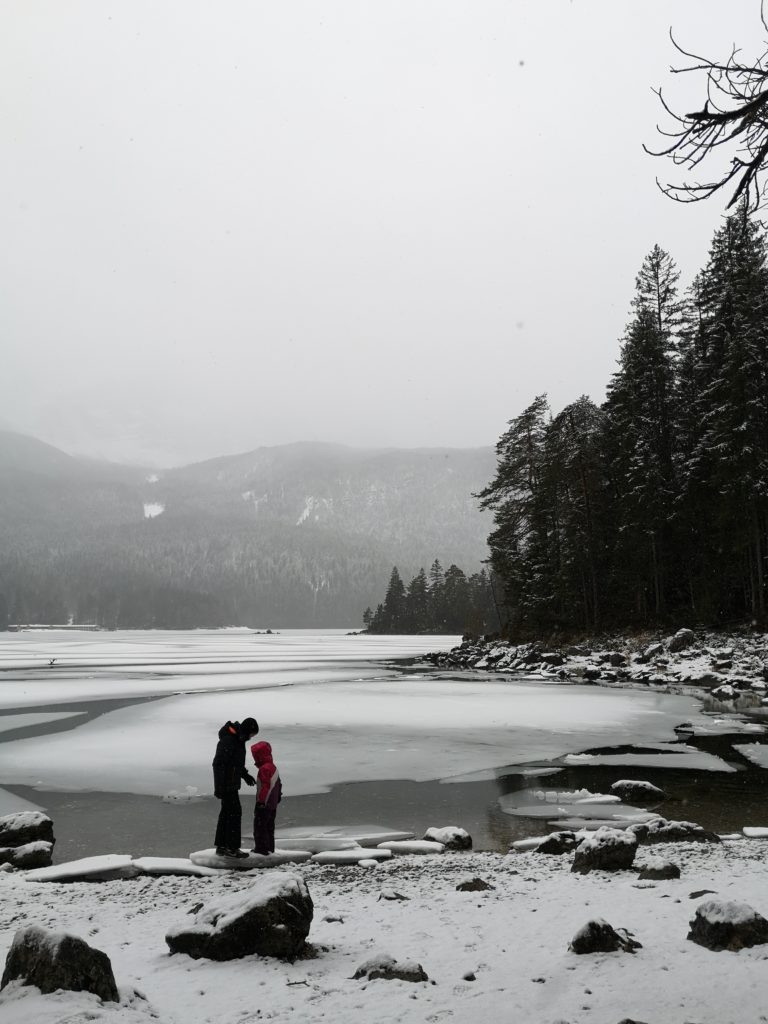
735,115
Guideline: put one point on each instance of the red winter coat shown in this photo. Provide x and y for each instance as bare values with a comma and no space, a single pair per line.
270,789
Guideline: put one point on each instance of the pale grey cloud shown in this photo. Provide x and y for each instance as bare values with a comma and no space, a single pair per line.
226,225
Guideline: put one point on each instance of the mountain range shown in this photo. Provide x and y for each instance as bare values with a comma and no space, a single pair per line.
294,535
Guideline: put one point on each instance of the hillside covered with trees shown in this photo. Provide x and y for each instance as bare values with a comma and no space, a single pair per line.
652,507
290,536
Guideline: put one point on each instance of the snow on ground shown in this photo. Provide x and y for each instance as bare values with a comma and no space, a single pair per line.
152,509
411,727
513,938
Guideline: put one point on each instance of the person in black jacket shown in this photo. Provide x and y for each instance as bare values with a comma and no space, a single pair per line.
228,770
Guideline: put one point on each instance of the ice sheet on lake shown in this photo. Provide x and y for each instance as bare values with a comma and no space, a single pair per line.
335,837
680,757
355,721
136,663
757,753
408,728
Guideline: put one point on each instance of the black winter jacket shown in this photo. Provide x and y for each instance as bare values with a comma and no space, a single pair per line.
229,760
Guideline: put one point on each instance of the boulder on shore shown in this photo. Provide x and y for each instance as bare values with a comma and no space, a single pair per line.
597,936
720,924
662,831
271,918
30,855
557,843
451,837
658,870
683,638
55,960
26,827
390,969
607,849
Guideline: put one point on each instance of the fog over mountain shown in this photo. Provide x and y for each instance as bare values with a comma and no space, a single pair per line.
294,535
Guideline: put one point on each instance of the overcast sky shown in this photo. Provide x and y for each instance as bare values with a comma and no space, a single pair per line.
230,224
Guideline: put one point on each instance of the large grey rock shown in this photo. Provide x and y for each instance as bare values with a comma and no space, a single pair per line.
557,843
597,936
662,831
658,870
720,924
653,651
25,827
683,638
31,855
386,967
451,836
53,960
271,918
474,885
607,849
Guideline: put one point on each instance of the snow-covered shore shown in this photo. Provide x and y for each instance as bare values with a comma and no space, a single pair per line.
734,667
495,955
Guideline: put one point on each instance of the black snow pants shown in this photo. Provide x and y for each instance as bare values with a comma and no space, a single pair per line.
264,830
228,828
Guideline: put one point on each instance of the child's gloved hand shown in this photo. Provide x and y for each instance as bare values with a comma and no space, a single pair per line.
260,805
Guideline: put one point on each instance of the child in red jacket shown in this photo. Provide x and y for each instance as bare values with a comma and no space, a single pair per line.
268,796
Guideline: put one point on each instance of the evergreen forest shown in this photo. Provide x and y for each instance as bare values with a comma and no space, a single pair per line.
442,602
651,508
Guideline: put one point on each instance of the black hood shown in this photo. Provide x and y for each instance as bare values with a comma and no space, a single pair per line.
225,730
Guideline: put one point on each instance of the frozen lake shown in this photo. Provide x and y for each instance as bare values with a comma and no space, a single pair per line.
86,716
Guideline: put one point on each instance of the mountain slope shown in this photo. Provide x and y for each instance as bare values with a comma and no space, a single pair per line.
295,535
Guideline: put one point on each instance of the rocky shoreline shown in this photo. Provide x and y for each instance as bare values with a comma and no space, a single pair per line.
732,667
495,937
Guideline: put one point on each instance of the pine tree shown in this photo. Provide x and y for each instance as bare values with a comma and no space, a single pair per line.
728,461
639,442
417,604
394,611
519,542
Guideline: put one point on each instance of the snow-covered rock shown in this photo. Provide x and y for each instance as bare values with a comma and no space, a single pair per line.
597,936
638,790
450,836
30,855
660,830
56,960
683,638
25,827
658,869
721,924
474,885
271,918
558,843
390,969
607,849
